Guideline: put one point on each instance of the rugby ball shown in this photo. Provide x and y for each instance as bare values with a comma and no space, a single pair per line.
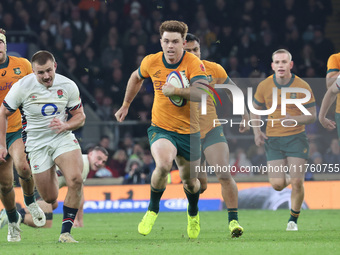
178,80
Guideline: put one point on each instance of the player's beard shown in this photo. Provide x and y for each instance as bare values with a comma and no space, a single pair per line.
3,56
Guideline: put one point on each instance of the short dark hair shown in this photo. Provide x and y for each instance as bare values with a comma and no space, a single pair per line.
102,149
41,57
191,37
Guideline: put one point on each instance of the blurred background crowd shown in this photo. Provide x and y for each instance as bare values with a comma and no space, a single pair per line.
100,43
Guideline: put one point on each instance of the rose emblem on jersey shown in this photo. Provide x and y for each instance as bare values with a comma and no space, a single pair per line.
60,93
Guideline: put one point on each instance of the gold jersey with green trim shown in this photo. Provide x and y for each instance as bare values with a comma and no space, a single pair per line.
264,97
333,65
11,71
184,119
216,75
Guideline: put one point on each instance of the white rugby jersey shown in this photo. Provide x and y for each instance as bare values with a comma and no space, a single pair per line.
39,105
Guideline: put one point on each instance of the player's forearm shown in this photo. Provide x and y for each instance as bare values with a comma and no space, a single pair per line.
256,129
304,119
327,101
132,89
330,78
194,92
76,121
3,127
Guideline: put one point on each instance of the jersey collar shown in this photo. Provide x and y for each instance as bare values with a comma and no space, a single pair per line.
172,66
286,85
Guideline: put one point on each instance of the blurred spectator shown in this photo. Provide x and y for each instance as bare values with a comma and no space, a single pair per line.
52,24
323,48
73,68
105,142
233,68
28,24
104,111
226,42
174,11
111,52
332,155
134,172
116,85
45,40
67,36
137,152
315,156
259,159
144,111
244,49
118,162
153,46
81,30
240,160
138,31
253,65
265,49
128,144
9,24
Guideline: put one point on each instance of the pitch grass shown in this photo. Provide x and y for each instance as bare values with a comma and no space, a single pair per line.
319,233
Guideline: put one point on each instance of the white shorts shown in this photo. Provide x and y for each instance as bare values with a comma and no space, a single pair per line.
43,159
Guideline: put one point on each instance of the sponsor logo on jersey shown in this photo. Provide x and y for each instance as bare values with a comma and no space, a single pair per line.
17,70
34,97
60,93
156,74
75,141
36,167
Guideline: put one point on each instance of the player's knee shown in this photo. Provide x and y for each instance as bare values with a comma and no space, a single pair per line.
189,184
6,188
223,176
278,186
165,166
50,199
75,182
23,169
297,184
163,169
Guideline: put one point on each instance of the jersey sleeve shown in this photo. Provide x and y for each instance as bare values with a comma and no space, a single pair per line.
196,70
74,101
14,97
143,68
221,75
259,96
333,64
28,66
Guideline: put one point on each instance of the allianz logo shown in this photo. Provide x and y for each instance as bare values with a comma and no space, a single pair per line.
117,204
176,204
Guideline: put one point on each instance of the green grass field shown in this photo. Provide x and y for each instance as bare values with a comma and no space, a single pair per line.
319,233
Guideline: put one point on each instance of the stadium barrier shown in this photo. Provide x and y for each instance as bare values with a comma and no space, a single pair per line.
252,195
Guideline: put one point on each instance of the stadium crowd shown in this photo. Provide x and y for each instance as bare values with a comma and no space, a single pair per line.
102,42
